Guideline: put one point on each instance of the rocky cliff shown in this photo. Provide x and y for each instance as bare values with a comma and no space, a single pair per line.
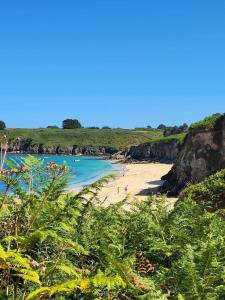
202,154
26,146
162,151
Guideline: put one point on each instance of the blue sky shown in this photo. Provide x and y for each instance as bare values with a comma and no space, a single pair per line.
122,63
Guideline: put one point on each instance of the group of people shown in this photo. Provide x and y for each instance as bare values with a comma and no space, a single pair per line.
125,189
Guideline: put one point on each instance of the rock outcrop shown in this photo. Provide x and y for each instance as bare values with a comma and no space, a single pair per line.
26,146
202,154
162,151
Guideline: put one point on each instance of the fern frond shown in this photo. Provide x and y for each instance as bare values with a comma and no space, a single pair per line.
16,260
28,275
84,284
71,271
3,254
40,293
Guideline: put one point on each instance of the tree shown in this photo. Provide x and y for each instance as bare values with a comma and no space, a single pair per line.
184,127
52,127
175,129
2,125
71,123
162,127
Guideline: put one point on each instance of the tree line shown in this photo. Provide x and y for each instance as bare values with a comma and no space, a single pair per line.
75,123
169,130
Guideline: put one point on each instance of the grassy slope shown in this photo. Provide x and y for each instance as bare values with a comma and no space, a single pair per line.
118,138
178,137
208,123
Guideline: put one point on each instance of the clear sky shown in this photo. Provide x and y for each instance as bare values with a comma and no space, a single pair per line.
122,63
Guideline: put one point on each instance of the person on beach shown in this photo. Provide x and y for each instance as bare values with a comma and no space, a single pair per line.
124,170
126,188
118,189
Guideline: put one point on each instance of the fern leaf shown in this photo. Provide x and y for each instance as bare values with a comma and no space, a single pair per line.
40,293
28,275
17,260
3,255
67,287
71,271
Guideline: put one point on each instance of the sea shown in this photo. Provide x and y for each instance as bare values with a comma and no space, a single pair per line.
83,170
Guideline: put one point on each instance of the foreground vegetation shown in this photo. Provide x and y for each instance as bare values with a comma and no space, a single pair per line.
63,246
210,192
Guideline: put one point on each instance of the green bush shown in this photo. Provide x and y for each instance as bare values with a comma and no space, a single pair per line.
207,123
2,125
210,192
71,124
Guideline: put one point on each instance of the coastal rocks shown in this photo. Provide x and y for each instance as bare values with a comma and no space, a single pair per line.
202,154
120,155
27,146
162,151
75,150
63,150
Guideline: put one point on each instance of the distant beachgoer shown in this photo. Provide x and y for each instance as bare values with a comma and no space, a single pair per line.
126,188
124,170
118,189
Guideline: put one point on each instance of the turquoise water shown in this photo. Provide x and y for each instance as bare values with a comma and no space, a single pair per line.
84,170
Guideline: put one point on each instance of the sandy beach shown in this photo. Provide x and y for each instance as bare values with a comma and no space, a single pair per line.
139,181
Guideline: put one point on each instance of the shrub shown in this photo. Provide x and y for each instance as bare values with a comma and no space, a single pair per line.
2,125
210,192
71,124
207,123
162,127
52,127
175,130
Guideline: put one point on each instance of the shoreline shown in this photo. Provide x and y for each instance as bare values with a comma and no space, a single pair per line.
140,181
136,179
87,183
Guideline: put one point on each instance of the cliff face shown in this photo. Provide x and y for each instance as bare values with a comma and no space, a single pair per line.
25,146
164,151
202,153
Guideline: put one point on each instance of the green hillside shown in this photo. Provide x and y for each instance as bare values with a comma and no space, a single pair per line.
177,137
118,138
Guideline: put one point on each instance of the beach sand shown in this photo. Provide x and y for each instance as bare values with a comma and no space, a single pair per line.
139,181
